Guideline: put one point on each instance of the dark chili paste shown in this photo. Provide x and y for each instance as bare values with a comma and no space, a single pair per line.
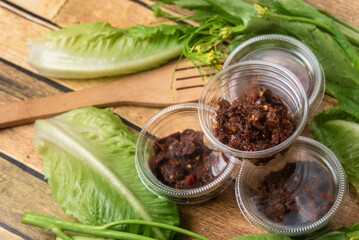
255,121
291,197
182,160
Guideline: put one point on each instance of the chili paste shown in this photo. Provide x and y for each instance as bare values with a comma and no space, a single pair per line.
255,121
182,160
285,197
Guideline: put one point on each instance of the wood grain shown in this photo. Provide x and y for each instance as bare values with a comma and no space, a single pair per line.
121,14
226,219
6,235
16,32
31,194
21,30
17,85
149,88
44,8
219,218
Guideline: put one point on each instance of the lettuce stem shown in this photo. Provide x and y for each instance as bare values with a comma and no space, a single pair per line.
59,233
155,224
58,226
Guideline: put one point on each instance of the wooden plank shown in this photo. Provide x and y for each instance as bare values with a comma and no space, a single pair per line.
44,8
217,219
221,218
20,31
349,213
344,9
17,142
17,85
28,15
16,50
6,235
17,32
20,193
121,14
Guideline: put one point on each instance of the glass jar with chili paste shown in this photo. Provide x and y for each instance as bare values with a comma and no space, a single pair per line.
176,161
253,110
295,196
290,54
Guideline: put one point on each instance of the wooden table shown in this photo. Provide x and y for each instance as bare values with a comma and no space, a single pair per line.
22,185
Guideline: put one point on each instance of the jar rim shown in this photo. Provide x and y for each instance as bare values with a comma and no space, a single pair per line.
262,153
330,160
319,83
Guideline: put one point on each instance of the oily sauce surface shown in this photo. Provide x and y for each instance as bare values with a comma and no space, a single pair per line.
255,121
182,160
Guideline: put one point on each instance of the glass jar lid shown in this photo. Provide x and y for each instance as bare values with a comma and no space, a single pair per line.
291,54
296,195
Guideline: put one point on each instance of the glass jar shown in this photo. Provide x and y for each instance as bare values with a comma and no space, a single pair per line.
174,119
295,196
289,53
232,81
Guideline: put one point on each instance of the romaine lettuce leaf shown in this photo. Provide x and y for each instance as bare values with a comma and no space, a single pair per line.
344,233
97,49
339,131
88,159
348,97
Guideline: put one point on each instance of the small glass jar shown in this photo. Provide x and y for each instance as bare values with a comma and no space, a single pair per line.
232,81
289,53
295,196
174,119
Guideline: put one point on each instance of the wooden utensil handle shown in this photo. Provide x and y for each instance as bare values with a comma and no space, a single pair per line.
17,113
28,111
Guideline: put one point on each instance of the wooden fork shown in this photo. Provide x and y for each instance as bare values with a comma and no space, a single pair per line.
149,88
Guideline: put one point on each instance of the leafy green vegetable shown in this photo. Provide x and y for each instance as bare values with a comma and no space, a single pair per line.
350,233
91,50
303,12
349,31
75,237
88,158
97,49
347,97
263,237
339,131
58,226
333,41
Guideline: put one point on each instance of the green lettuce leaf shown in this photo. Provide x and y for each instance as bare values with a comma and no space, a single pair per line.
97,49
348,97
88,159
339,131
344,233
